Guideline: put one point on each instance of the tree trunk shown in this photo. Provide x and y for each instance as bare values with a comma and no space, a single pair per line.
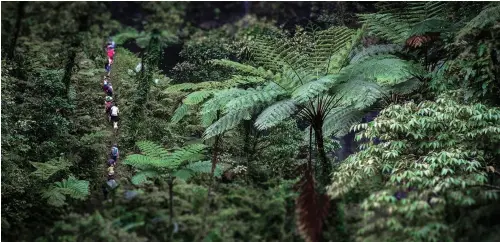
325,165
171,199
17,30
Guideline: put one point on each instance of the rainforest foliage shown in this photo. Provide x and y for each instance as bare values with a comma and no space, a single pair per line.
235,118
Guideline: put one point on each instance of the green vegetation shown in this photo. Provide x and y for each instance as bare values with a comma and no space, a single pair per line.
233,116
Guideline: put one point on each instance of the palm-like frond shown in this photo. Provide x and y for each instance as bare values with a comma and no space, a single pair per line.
217,103
197,97
180,113
44,170
226,122
197,168
374,50
275,113
152,149
56,194
339,121
143,175
247,69
254,97
396,23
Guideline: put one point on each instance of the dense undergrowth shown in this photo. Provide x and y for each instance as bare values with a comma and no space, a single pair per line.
239,140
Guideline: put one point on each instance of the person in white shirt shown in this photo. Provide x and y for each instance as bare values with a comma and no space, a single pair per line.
114,115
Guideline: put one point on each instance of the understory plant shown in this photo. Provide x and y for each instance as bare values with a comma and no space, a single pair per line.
425,163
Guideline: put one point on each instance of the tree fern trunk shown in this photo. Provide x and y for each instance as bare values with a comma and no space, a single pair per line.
318,134
17,30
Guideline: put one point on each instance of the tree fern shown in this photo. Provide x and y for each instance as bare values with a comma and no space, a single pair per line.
157,160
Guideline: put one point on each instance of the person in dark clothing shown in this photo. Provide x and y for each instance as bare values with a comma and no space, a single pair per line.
105,190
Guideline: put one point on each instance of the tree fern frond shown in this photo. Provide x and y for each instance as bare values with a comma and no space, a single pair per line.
359,93
385,70
407,87
204,167
179,113
187,153
196,97
183,174
217,103
485,18
374,50
54,197
56,194
145,162
142,176
329,42
254,97
387,26
261,72
274,114
339,121
152,149
312,89
431,25
226,122
44,170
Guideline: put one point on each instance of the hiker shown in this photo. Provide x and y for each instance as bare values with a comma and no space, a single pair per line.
111,54
107,67
105,84
110,90
114,115
111,172
108,104
111,162
115,154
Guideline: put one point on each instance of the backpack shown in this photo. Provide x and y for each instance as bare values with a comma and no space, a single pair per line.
114,151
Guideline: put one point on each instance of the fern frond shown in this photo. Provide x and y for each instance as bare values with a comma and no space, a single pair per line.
312,89
44,170
485,18
183,174
56,194
274,114
204,167
217,103
406,87
187,153
226,122
359,93
385,70
196,97
144,162
254,97
329,42
142,176
339,121
152,149
374,50
260,72
179,113
431,25
387,26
